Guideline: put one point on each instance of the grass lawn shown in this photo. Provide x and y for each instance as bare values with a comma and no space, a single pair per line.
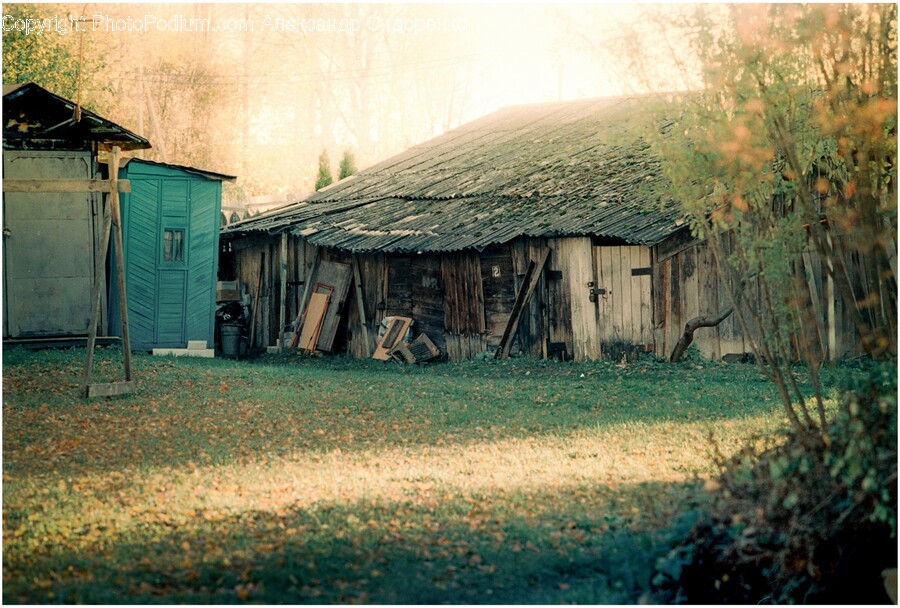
299,480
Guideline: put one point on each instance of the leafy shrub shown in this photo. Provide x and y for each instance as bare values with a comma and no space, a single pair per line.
809,519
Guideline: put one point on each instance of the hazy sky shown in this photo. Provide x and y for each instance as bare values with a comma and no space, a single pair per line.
293,79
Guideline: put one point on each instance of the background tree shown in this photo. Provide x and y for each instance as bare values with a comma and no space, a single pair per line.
324,177
61,60
785,161
347,166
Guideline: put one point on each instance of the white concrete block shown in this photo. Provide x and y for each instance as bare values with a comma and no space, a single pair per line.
206,353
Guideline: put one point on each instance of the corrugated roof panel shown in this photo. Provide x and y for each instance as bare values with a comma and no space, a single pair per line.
543,170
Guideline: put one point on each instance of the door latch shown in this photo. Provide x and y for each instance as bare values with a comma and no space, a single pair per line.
596,291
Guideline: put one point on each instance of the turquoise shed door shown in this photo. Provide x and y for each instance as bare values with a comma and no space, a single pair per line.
171,234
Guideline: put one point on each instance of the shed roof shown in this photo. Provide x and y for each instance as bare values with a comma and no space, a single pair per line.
136,162
561,169
31,112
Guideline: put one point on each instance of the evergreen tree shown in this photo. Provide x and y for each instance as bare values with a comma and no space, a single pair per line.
324,178
348,165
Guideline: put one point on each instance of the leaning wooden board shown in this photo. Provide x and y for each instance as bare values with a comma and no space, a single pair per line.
312,321
337,275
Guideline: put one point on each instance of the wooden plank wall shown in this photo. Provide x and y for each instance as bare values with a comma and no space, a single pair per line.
247,252
371,270
428,298
530,339
687,284
558,320
499,286
463,305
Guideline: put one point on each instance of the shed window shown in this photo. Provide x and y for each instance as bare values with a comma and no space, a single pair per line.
173,245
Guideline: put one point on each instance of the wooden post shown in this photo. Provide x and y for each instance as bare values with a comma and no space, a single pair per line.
256,300
120,257
282,313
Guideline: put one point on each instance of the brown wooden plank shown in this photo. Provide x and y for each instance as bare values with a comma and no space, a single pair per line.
690,292
645,286
675,321
474,280
361,305
47,186
312,321
96,296
621,292
110,389
708,339
661,306
120,259
608,326
282,289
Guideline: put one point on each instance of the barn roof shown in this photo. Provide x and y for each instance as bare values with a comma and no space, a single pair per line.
32,114
561,169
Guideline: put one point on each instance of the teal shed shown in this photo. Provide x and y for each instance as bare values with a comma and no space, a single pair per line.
170,231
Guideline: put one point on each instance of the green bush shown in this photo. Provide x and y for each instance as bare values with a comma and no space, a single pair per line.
809,519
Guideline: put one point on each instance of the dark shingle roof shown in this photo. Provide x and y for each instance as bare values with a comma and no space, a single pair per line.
563,169
31,112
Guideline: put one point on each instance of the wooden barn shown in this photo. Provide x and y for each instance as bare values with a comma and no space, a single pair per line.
544,230
51,229
170,225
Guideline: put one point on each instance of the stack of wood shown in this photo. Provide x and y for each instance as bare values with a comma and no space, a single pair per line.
419,350
393,345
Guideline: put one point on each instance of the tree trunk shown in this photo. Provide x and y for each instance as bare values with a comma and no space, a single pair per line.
693,325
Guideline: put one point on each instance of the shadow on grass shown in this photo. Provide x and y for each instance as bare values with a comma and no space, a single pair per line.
444,549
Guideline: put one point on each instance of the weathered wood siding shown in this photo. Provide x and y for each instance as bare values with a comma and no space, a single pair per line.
531,336
687,284
464,320
462,301
255,254
499,287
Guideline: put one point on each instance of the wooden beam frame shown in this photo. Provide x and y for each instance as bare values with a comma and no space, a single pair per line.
112,226
58,186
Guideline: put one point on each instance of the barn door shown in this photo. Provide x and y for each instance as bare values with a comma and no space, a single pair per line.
156,261
573,325
173,237
622,297
48,248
